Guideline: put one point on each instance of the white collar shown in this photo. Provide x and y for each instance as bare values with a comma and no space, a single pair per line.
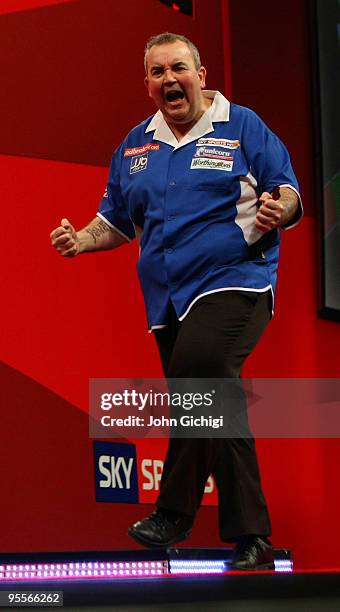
218,111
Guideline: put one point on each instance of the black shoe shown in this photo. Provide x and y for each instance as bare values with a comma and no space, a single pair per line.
253,553
161,529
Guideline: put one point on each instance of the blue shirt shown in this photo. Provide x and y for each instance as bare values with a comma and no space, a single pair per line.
193,205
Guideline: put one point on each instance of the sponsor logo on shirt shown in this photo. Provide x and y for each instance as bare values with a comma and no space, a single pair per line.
213,153
105,194
218,142
139,150
138,163
212,158
211,164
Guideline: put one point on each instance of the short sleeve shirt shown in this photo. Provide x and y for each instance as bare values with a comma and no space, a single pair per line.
194,202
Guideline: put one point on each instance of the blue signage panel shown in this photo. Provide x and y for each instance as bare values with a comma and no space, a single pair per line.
115,472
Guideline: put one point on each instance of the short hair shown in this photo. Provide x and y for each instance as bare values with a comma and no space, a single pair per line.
169,37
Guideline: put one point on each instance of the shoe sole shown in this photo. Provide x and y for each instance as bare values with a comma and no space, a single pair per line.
151,544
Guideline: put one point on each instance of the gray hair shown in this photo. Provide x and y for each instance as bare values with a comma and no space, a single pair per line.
166,38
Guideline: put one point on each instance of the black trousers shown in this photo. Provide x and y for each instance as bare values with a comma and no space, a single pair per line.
213,341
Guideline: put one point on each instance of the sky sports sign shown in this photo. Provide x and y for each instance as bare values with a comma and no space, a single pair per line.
131,473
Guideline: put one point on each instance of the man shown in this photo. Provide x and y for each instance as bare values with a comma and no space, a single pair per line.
204,185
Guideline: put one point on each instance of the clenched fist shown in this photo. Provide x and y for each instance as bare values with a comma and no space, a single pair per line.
64,238
270,213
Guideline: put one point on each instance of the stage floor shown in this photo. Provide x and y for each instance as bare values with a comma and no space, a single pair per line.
172,579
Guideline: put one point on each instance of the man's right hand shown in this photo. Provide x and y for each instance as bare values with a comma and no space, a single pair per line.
64,238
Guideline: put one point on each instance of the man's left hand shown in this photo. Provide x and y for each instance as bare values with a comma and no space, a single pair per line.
270,213
278,212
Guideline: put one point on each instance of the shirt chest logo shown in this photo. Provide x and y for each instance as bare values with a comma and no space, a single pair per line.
138,163
212,158
225,143
149,146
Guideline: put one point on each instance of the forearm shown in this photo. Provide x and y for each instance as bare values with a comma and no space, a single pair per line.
98,236
290,201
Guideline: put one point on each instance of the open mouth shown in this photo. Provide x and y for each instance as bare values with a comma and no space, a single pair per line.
174,95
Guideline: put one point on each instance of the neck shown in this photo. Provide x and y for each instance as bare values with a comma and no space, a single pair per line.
180,130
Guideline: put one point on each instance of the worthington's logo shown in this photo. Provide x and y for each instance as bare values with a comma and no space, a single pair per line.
205,163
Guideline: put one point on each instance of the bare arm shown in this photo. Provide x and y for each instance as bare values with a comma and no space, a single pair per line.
96,236
276,213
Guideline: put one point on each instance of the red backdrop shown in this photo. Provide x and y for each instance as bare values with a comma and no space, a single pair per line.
72,88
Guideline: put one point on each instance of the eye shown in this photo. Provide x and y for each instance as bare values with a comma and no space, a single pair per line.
179,67
156,71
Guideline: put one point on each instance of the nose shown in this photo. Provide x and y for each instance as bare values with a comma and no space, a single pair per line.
169,76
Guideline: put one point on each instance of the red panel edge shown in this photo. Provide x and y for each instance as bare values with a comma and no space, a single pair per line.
15,6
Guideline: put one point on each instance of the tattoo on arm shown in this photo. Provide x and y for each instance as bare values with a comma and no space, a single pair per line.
98,230
289,199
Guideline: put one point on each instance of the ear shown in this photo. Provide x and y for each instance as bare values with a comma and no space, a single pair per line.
202,73
146,83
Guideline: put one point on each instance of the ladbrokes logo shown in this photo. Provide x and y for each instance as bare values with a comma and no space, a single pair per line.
126,473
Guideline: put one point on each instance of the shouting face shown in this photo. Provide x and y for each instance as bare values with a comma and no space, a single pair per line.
175,84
